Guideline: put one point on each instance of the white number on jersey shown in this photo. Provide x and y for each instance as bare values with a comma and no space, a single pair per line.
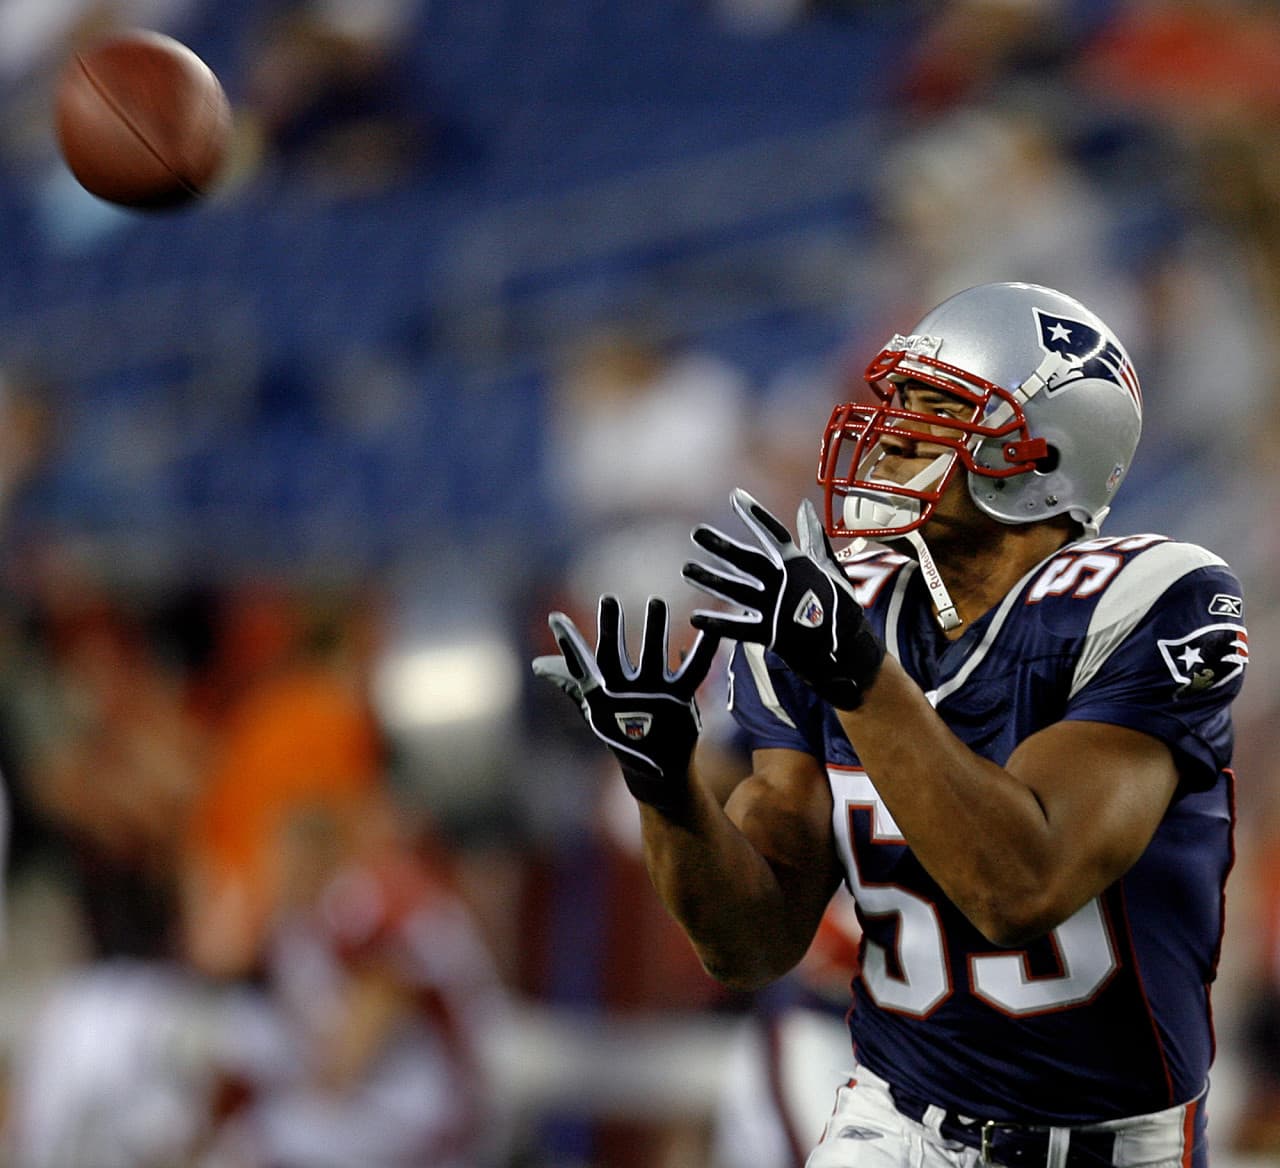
1084,569
917,981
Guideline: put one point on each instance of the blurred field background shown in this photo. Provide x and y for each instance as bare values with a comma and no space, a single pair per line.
497,298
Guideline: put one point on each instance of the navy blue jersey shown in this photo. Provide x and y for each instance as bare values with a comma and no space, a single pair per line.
1108,1015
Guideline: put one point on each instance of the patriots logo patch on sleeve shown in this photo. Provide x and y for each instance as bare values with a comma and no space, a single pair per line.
1206,658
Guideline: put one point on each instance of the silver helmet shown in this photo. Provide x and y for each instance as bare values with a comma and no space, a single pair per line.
1055,420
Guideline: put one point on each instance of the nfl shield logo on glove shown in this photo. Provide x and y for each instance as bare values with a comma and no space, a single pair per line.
634,726
809,611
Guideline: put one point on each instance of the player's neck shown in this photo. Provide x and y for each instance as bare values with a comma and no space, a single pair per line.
979,571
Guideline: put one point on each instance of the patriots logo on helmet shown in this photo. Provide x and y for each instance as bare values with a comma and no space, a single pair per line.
1206,658
1088,353
634,725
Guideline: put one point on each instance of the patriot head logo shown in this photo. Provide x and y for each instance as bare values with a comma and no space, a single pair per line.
1088,354
1206,658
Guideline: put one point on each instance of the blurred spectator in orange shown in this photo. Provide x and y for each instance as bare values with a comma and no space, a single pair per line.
1198,62
300,733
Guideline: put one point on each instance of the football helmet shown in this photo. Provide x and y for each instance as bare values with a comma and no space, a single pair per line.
1053,418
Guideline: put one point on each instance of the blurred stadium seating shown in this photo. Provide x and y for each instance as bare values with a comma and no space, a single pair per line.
593,160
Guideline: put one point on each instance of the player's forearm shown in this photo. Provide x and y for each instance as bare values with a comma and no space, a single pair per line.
722,892
979,832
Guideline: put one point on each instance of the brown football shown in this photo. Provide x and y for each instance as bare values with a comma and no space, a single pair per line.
142,121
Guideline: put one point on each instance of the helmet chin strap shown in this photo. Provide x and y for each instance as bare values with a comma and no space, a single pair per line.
867,511
948,618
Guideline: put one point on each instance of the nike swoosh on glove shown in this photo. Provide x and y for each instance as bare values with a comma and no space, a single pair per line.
797,600
647,714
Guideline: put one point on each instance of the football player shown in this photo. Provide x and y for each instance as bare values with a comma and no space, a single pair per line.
1007,734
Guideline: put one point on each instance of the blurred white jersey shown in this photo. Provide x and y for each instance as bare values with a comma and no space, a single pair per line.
791,1055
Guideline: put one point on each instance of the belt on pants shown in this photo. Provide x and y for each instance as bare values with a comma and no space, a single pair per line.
1017,1145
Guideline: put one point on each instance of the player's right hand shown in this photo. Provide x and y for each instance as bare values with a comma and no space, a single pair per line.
647,714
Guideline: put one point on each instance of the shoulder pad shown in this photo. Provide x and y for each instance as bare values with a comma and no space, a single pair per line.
1133,586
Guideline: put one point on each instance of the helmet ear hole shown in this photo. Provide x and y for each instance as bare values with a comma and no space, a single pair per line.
1049,463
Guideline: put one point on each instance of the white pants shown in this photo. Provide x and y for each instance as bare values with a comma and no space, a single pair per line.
866,1130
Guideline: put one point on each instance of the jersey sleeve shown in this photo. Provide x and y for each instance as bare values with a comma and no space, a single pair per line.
1168,659
773,707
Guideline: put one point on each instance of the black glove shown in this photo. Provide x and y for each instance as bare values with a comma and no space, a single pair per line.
647,716
799,602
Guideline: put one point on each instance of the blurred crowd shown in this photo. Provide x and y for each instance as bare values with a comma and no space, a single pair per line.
304,871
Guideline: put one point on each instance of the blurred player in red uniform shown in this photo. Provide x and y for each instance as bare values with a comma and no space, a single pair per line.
383,997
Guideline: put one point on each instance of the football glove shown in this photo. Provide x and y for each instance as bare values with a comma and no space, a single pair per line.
646,715
798,601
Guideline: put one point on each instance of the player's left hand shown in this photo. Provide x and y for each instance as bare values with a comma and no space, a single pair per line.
645,714
798,601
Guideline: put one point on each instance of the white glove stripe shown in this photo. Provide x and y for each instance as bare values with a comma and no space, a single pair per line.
564,629
812,541
731,571
629,671
742,502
